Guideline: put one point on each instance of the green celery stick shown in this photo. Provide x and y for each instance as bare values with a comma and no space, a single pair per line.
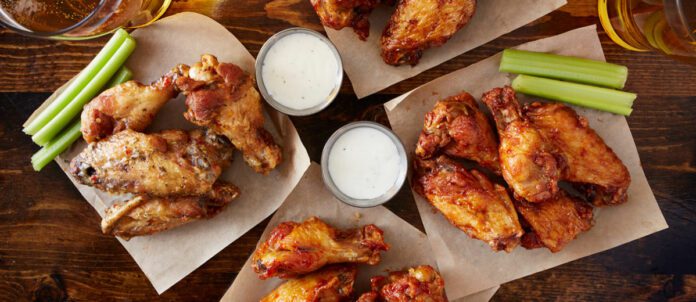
122,75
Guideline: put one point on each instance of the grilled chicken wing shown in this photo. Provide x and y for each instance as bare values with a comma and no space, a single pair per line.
469,201
331,284
419,284
168,163
144,215
458,128
338,14
222,97
590,163
298,248
529,163
417,25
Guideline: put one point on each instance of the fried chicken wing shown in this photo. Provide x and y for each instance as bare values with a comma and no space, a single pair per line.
298,248
418,284
338,14
330,284
458,127
469,201
165,164
529,163
222,97
590,163
417,25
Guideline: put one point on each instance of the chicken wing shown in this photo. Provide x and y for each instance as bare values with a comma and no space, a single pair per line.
458,128
222,97
331,284
298,248
338,14
469,201
589,162
419,284
144,215
417,25
529,163
165,164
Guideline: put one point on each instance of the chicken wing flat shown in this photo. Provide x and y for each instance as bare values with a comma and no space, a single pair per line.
417,25
222,97
299,248
589,162
418,284
457,127
529,162
338,14
165,164
469,201
144,215
330,284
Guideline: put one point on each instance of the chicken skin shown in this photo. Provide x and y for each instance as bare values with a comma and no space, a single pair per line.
299,248
589,163
458,128
419,284
222,97
469,201
144,215
417,25
338,14
164,164
529,163
330,284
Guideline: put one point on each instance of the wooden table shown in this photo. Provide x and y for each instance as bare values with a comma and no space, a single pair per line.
51,248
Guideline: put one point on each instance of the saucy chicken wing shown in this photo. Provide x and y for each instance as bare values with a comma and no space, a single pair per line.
299,248
418,284
417,25
469,201
330,284
338,14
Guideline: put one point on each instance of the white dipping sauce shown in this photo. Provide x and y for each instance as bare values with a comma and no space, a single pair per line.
364,163
300,71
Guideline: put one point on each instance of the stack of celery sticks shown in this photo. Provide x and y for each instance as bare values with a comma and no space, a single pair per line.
58,125
581,82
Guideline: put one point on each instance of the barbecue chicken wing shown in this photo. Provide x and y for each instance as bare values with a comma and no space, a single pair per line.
298,248
165,164
419,284
222,97
469,201
458,128
330,284
417,25
338,14
589,162
529,162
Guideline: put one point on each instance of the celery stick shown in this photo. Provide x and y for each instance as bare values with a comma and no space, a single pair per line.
122,75
95,85
564,68
57,146
78,84
604,99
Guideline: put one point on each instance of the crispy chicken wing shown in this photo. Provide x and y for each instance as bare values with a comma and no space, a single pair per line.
330,284
589,162
458,128
417,25
338,14
419,284
298,248
168,163
529,163
469,201
222,97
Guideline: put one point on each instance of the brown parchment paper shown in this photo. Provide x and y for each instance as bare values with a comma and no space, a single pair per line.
469,264
409,247
167,257
493,18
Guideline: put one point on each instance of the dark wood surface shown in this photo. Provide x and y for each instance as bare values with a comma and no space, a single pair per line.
51,248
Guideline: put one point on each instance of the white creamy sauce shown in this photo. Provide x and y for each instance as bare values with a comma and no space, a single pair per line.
364,163
300,71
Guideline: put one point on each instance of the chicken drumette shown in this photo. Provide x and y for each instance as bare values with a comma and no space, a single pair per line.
338,14
331,284
418,284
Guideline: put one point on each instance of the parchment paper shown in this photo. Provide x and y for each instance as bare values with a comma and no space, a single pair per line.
409,247
167,257
493,18
469,264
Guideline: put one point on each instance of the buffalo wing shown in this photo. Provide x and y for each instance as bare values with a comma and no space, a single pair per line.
418,284
338,14
331,284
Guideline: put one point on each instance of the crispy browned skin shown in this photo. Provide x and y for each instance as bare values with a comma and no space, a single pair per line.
168,163
222,97
144,215
529,163
338,14
589,162
469,201
418,284
330,284
417,25
298,248
457,127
